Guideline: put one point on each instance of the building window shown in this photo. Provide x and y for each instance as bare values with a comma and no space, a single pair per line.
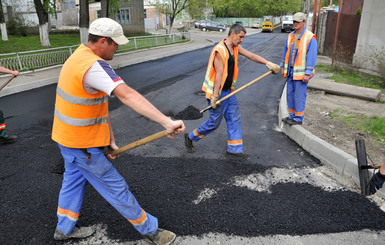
123,16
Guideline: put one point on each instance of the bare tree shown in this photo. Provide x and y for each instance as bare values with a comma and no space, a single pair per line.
4,34
84,21
43,21
173,8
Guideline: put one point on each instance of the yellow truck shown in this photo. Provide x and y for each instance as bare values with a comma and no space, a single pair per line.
267,24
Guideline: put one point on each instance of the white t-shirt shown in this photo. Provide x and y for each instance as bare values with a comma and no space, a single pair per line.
101,77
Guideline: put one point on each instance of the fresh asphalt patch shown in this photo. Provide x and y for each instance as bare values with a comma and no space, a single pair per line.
190,196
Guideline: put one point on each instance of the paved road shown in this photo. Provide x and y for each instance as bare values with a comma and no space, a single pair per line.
280,195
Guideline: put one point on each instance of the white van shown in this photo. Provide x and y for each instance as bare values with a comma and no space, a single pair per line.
287,23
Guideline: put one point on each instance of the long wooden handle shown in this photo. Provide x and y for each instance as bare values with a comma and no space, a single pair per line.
238,90
5,84
140,142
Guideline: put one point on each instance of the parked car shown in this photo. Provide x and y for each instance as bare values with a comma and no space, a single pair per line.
197,23
239,22
255,24
287,23
267,25
214,26
203,23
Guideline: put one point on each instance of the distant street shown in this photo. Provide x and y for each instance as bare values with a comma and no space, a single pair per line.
279,195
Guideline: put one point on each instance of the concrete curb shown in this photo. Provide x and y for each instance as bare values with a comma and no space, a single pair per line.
342,162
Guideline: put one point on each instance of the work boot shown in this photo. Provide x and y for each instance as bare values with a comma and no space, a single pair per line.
293,122
189,144
161,237
285,119
237,155
8,140
77,232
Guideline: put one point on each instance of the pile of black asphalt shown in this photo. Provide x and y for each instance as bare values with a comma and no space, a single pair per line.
189,113
168,189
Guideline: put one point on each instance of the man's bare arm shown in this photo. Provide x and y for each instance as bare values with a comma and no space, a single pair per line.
141,105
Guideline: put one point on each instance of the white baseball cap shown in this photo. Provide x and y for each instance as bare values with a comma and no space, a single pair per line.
299,17
106,27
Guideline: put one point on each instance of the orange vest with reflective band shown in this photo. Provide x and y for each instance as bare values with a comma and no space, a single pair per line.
208,84
299,66
81,119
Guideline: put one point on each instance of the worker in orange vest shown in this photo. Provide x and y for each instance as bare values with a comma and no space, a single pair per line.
82,128
221,77
297,65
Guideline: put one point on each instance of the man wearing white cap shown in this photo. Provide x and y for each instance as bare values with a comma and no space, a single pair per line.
297,65
82,130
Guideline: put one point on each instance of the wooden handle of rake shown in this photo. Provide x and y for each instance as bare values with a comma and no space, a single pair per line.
238,90
140,142
5,84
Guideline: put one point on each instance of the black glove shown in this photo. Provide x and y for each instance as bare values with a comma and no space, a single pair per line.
376,182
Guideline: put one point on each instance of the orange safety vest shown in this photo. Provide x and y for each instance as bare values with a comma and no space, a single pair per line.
81,119
300,61
208,84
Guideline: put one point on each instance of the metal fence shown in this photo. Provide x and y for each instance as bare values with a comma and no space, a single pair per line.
30,60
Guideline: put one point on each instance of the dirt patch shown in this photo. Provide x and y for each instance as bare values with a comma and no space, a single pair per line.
318,121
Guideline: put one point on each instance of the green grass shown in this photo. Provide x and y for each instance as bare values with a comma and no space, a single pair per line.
349,76
32,42
17,44
373,125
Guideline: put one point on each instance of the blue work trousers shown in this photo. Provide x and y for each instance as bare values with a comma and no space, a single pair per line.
296,98
96,169
229,109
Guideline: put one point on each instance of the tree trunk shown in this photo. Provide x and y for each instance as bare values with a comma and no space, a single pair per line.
84,21
4,34
43,23
171,23
104,8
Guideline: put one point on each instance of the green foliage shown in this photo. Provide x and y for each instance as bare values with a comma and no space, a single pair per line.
358,11
254,8
49,6
16,26
195,9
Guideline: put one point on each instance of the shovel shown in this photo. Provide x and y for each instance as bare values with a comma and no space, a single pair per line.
238,90
140,142
5,84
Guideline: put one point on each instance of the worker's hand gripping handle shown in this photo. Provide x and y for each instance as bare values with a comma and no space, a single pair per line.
238,90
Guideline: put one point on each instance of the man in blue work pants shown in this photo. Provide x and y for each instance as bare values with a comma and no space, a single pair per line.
297,65
230,110
96,169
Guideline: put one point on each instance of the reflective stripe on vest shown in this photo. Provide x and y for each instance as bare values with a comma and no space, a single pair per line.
208,84
300,61
81,119
81,101
80,122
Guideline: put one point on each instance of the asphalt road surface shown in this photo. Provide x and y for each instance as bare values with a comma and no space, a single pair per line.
279,195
